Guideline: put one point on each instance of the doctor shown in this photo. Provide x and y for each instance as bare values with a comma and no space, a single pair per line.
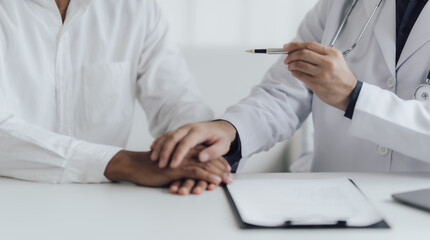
70,73
364,111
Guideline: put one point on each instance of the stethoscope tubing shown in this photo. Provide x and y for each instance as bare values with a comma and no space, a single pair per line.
345,20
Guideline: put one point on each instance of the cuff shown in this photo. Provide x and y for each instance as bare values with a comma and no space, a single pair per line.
88,163
235,153
353,100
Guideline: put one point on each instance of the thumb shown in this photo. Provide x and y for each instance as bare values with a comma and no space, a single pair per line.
214,151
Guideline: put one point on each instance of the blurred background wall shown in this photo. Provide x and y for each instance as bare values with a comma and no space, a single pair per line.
213,35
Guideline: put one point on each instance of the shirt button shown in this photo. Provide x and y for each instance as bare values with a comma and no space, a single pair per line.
390,82
383,150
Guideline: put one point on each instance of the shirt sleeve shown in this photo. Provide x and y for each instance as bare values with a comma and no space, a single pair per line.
277,107
234,154
32,153
166,89
385,119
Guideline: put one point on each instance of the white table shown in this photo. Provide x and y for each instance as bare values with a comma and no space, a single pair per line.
125,211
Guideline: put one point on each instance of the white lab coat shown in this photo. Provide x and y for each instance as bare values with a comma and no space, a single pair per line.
389,130
67,91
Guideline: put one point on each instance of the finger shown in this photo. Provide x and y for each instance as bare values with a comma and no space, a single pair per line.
158,144
200,187
312,46
217,168
156,148
223,164
212,186
225,169
200,174
186,187
304,67
227,165
306,56
216,150
304,77
154,143
174,186
193,138
169,144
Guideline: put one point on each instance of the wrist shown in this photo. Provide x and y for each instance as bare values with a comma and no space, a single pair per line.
349,111
117,168
345,101
228,128
121,166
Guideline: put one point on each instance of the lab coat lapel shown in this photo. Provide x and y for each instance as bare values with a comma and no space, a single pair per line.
419,35
385,29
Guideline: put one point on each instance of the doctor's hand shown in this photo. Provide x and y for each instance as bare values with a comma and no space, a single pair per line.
172,147
323,69
137,167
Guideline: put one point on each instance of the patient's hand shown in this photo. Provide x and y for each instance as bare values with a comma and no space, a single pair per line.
191,186
137,167
187,186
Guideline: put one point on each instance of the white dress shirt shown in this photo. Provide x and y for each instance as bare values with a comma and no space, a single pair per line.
67,91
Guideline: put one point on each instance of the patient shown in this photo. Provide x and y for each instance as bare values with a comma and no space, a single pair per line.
70,74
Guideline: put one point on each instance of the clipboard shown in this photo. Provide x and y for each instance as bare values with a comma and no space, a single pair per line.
288,224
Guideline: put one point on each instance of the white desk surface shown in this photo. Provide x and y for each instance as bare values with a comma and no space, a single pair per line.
125,211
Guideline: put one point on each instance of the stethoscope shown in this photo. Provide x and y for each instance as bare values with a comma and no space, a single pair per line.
342,25
422,91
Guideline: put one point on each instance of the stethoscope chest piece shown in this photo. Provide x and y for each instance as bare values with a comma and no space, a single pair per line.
422,92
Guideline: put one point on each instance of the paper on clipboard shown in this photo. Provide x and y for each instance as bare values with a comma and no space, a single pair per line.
280,202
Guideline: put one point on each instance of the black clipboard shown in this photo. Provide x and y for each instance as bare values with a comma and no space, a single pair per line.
340,224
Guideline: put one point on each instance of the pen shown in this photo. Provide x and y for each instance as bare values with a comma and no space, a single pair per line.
268,51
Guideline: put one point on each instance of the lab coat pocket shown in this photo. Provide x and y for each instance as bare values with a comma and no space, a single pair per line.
108,92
